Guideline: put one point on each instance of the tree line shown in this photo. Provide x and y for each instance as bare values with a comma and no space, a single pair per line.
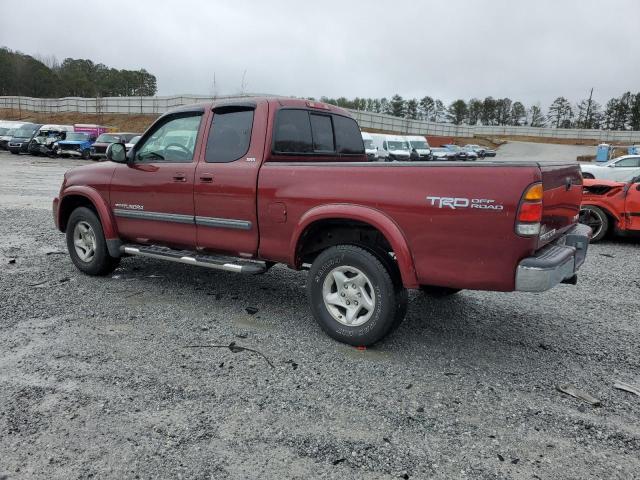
622,113
25,75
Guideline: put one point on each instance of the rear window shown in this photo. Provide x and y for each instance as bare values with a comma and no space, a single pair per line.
322,131
348,136
304,132
293,132
230,135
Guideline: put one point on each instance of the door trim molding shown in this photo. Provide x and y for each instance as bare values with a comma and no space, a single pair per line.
163,217
231,223
223,223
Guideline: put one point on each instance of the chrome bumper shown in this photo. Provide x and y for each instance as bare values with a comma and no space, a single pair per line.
555,263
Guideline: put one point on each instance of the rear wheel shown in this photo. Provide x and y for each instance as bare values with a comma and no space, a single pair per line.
596,219
353,295
87,245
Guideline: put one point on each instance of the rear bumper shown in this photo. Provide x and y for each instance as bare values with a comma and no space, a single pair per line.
555,263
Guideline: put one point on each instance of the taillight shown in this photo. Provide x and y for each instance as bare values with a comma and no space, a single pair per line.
530,211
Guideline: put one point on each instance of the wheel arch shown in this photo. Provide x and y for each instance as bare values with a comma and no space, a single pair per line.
353,218
82,196
608,211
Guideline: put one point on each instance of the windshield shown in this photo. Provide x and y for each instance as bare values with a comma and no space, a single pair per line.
77,137
107,138
3,130
419,144
454,148
392,145
24,132
369,144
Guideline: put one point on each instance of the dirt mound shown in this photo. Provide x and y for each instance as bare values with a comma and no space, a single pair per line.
122,122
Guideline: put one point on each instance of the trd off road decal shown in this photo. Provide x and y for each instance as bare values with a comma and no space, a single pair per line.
460,202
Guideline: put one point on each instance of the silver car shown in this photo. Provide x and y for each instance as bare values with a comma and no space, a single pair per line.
621,169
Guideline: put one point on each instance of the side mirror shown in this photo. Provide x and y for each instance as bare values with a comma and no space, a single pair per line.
116,152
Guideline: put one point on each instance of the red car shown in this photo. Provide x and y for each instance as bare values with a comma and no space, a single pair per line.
608,205
241,185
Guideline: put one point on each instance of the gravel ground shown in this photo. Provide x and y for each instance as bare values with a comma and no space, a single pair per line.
96,380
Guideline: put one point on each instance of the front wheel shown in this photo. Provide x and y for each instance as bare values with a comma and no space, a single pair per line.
588,176
87,245
353,296
596,219
85,154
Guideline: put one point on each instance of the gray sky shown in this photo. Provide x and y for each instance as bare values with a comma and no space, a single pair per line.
528,50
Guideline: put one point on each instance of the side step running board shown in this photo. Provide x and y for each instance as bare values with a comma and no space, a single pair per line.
218,262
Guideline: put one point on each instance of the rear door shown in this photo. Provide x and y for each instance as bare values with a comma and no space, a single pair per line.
226,179
152,196
561,202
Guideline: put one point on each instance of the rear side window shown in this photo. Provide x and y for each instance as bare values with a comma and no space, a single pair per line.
348,136
322,130
230,135
629,162
293,132
304,132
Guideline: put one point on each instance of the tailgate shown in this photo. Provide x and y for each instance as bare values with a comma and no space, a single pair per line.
562,186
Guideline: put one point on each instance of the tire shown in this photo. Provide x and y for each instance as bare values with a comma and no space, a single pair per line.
85,154
588,176
597,219
14,152
85,223
388,299
438,292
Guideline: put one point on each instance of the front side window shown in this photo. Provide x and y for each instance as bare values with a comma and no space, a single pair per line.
173,141
633,162
293,132
229,136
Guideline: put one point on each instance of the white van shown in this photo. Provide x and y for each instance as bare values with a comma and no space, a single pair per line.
391,147
421,145
369,147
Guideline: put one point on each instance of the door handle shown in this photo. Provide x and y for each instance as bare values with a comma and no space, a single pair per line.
206,178
179,177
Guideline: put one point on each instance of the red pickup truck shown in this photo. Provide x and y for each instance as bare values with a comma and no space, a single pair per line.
243,185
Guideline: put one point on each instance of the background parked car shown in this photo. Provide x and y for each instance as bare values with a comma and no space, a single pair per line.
421,145
99,148
443,154
44,141
391,147
129,145
5,135
369,147
461,153
611,206
621,169
19,143
76,144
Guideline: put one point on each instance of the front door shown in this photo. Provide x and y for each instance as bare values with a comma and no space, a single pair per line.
152,196
226,179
